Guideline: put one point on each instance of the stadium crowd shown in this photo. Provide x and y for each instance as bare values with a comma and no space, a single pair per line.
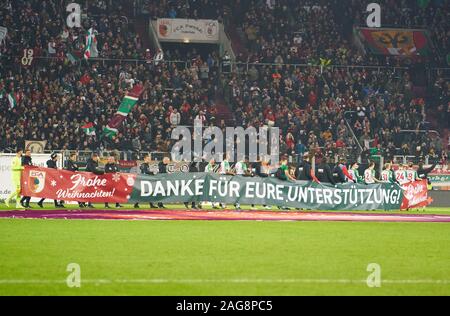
311,107
302,32
56,97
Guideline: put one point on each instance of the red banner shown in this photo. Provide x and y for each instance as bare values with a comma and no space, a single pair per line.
79,187
398,42
127,164
415,195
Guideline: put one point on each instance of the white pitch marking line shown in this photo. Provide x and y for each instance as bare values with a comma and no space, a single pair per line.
224,281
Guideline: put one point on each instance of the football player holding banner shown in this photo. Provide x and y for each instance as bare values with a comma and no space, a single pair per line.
369,174
52,164
400,174
145,169
26,161
387,176
411,173
16,171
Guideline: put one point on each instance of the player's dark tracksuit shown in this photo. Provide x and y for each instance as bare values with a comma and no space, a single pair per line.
72,166
338,175
52,165
92,166
145,169
193,167
162,170
25,201
303,171
111,168
258,173
423,173
324,173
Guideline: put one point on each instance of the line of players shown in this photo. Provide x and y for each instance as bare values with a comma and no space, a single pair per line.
341,174
21,160
323,173
18,163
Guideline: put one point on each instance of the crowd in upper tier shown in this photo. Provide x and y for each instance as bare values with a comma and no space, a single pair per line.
331,108
302,31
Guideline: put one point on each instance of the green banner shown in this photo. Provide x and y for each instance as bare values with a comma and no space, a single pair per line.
204,187
439,178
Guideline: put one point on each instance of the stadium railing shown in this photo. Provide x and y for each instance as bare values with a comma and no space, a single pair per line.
346,119
427,160
294,159
248,65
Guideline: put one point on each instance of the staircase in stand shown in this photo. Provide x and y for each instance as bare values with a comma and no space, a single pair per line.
237,41
223,112
141,27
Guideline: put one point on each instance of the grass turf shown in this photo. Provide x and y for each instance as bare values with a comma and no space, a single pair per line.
199,251
50,206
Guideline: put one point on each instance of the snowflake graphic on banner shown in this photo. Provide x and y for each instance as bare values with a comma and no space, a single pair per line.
116,177
53,183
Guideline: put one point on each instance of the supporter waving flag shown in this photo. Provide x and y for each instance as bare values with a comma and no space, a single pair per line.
89,129
12,98
91,44
125,108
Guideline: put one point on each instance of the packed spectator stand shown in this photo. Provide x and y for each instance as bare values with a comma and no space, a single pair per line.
354,103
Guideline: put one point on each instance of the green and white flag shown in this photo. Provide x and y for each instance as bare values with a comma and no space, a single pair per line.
91,44
72,59
110,132
12,100
89,129
128,103
3,33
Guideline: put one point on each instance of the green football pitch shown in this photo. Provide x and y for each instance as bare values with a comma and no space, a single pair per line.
223,257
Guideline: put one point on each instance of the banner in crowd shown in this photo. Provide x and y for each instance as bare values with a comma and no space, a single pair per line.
35,146
5,170
437,178
133,166
128,103
440,178
172,167
204,187
398,42
188,30
416,195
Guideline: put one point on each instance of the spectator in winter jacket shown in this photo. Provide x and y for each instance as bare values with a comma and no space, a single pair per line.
175,118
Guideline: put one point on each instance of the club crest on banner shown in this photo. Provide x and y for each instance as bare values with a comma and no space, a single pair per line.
37,181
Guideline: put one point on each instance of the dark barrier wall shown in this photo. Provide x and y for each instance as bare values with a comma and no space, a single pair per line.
440,198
